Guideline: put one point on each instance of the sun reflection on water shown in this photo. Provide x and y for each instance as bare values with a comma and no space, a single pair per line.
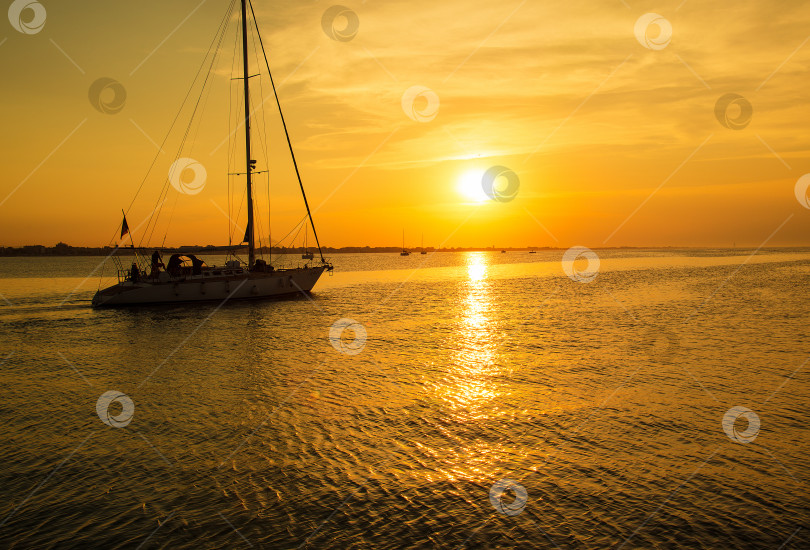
476,346
477,267
471,389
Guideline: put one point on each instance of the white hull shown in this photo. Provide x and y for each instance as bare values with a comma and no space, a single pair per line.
206,288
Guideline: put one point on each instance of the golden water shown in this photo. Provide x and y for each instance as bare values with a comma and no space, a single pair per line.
604,400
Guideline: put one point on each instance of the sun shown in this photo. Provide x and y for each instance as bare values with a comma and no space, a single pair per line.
469,186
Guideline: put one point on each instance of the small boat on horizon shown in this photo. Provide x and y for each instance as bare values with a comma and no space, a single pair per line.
307,255
404,251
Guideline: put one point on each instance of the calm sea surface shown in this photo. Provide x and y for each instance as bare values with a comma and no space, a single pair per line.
478,400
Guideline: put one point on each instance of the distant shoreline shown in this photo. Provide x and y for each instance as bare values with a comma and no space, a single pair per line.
67,250
62,249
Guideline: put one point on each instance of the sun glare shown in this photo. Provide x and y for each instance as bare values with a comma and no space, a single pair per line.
469,186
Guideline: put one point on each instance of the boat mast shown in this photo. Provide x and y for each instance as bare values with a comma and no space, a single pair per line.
248,160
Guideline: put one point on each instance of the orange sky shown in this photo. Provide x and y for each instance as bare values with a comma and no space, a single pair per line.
562,93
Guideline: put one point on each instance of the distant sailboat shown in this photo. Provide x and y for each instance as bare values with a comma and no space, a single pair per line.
307,255
187,278
423,245
404,252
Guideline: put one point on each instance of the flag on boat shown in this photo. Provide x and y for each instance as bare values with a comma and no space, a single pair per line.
124,226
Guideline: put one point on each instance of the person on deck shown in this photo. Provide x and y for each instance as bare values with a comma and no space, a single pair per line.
157,263
134,273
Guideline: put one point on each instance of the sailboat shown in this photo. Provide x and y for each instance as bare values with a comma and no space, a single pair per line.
307,255
404,252
187,278
423,245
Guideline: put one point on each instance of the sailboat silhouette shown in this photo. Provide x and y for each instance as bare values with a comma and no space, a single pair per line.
187,278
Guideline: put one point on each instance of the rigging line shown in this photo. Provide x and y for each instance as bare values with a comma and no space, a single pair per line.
234,215
233,142
258,219
303,219
165,139
261,134
257,226
295,237
241,204
230,154
218,38
286,133
171,215
265,141
205,94
262,126
269,212
164,195
260,223
239,105
257,198
189,127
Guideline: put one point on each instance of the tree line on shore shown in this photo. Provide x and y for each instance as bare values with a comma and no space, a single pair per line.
62,249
